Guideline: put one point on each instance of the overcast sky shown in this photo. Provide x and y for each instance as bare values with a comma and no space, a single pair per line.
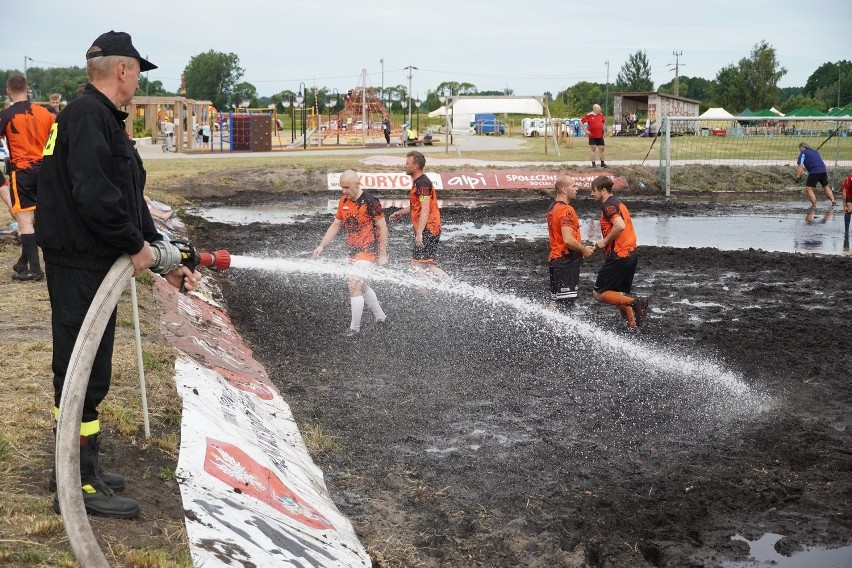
530,47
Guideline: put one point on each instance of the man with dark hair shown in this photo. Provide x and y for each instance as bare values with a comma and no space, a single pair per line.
362,217
809,159
566,247
26,127
615,278
91,212
425,215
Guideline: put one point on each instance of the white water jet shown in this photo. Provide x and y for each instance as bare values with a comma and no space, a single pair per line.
699,371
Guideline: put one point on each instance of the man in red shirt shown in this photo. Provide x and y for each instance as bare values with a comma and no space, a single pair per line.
594,125
362,217
566,248
615,278
847,202
425,215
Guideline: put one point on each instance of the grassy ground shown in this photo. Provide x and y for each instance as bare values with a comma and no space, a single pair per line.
31,534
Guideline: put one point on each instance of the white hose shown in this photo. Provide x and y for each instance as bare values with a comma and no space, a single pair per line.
68,481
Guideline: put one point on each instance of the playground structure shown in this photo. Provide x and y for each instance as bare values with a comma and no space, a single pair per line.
357,122
186,114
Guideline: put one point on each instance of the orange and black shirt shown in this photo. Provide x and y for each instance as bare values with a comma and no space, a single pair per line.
422,187
559,215
625,243
359,221
26,127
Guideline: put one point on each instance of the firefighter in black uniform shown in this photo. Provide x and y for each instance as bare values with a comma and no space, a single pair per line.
91,211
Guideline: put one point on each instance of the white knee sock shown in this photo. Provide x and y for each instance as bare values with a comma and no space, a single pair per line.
373,303
357,303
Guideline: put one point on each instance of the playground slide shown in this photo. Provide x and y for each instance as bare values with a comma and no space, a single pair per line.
300,141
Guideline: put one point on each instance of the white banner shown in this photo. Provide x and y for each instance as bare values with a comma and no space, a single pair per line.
372,181
251,492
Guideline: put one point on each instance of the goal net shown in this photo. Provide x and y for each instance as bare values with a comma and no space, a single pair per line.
761,143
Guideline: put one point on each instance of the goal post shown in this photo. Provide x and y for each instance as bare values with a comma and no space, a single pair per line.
755,142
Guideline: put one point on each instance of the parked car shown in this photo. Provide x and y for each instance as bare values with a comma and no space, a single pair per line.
487,123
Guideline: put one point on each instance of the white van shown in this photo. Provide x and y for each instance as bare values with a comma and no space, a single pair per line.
536,127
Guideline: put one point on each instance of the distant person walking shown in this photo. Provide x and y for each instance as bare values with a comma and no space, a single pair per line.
362,217
425,215
26,127
615,278
809,159
594,125
566,247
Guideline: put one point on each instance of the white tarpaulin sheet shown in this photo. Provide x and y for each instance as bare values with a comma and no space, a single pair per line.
463,109
251,493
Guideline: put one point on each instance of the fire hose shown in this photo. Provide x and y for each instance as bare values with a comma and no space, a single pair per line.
168,256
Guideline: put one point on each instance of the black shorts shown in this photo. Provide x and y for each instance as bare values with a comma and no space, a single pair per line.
429,250
617,273
24,189
565,277
596,142
814,179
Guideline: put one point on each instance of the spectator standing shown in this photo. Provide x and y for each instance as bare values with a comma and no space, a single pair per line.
92,211
362,217
615,278
386,129
425,216
54,104
847,204
594,125
205,135
169,131
566,247
809,159
26,127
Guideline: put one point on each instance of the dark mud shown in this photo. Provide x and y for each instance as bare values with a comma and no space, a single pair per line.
469,433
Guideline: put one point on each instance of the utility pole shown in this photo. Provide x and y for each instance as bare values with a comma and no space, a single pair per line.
606,98
382,90
410,69
677,55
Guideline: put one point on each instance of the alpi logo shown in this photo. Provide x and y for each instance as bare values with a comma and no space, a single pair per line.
465,180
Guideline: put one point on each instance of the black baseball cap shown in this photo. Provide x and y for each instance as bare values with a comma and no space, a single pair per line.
117,43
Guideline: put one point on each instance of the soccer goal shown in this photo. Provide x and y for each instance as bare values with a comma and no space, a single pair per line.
753,142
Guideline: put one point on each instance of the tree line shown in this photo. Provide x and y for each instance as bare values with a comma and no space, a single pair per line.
752,83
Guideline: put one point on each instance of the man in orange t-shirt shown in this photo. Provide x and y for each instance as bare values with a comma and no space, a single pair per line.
26,127
362,217
594,125
425,215
566,248
615,278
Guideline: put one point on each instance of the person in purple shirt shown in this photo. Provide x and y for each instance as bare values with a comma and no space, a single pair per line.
809,159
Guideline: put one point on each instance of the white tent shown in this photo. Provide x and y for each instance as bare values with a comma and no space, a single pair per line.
717,113
461,110
716,117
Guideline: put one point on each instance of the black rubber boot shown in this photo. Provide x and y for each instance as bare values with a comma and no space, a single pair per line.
112,480
97,497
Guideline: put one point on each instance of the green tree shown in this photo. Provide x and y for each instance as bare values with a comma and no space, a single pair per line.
635,74
752,83
212,76
245,93
823,84
580,97
802,101
690,87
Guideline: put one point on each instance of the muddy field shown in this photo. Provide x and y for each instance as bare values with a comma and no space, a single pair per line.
475,430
